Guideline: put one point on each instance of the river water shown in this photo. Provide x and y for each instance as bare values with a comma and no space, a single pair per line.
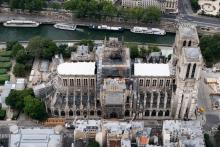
24,34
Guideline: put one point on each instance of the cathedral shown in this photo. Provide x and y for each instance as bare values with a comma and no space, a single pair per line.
114,86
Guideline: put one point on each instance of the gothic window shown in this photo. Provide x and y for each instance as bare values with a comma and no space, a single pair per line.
78,82
160,113
161,83
147,82
85,82
190,42
99,113
56,113
167,113
64,82
78,113
147,113
71,82
141,82
153,113
70,113
155,95
92,82
127,113
193,71
168,83
154,82
184,43
188,69
92,113
62,113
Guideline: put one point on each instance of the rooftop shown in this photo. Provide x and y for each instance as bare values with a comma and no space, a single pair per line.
78,68
35,137
144,69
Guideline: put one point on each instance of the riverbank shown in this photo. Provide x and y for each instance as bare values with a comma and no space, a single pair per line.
71,42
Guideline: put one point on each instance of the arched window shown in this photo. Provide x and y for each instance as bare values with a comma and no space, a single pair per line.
184,43
167,113
92,113
188,69
193,70
70,113
56,112
147,113
160,113
153,113
127,113
190,42
99,113
78,113
62,113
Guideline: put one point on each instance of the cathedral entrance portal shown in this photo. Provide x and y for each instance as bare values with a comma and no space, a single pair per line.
113,115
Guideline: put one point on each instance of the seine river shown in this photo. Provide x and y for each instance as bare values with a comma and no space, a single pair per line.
24,34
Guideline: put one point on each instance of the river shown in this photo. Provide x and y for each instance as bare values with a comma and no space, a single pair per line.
24,34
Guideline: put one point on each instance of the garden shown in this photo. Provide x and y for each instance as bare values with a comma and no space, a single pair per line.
5,65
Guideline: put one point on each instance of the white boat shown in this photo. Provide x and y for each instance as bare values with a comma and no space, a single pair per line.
21,23
63,26
145,30
106,27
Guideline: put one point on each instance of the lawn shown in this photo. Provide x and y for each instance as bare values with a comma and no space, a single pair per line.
6,65
4,78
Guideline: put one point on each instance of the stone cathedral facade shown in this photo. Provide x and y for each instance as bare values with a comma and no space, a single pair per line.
113,86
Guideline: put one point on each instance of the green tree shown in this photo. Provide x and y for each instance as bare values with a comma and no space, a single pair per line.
19,70
2,114
207,140
134,52
151,14
34,108
22,57
10,44
55,5
15,48
153,48
143,52
195,5
42,47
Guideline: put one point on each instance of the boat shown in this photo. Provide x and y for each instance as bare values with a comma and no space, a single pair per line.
145,30
63,26
21,23
106,27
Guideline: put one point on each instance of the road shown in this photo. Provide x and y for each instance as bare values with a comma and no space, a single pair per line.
211,117
186,14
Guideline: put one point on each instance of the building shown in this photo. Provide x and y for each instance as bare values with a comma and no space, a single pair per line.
82,54
86,129
39,137
115,87
182,133
166,6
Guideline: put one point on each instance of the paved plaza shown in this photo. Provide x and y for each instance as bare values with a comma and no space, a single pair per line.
209,7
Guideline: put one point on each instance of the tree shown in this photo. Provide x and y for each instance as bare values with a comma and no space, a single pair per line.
210,48
40,47
19,70
16,98
22,57
153,48
195,5
15,48
2,114
55,5
151,14
31,5
143,52
207,140
10,44
34,108
134,52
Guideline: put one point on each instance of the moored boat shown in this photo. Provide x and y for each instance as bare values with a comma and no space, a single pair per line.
21,23
62,26
106,27
146,30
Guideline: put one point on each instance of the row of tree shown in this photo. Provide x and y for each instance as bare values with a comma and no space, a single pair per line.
25,101
142,52
104,9
31,5
210,48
